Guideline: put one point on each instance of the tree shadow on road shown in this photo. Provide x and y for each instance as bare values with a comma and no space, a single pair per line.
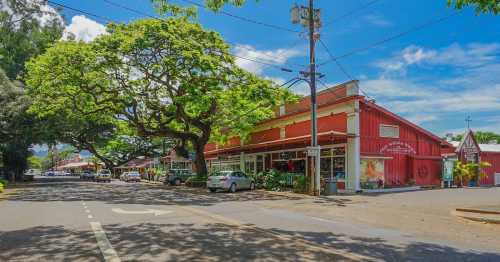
216,242
48,243
145,194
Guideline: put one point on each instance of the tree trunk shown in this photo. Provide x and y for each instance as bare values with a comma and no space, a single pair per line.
199,162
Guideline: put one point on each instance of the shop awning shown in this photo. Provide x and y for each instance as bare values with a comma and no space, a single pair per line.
284,141
76,165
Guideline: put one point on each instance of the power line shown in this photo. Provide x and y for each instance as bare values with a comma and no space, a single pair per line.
351,12
339,65
332,57
129,9
81,11
390,38
246,19
229,42
267,63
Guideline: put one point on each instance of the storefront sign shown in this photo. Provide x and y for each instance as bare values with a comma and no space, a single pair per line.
470,149
398,147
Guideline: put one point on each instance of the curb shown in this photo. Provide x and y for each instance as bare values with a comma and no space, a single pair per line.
286,194
8,192
478,217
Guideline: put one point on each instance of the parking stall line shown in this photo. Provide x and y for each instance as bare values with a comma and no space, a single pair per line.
108,252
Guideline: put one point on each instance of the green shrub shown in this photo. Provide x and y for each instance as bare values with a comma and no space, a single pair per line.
196,181
1,187
3,182
300,184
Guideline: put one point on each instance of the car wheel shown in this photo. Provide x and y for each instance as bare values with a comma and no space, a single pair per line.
177,182
232,189
252,186
212,190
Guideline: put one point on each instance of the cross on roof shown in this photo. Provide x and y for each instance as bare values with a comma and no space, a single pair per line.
468,120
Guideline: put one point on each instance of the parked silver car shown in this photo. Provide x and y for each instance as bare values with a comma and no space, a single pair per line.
133,176
103,175
230,181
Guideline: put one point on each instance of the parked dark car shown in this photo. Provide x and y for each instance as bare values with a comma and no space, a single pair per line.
177,176
87,175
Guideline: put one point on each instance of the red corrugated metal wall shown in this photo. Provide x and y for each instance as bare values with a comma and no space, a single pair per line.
400,170
494,160
336,122
264,136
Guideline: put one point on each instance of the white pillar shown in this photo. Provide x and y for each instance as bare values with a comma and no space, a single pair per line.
242,161
353,153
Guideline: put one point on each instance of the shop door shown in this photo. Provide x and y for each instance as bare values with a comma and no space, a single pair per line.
497,179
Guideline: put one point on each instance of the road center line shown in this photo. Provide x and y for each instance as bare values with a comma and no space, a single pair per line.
88,211
108,252
90,216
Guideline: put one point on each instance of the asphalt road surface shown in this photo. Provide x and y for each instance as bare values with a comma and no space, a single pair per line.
64,219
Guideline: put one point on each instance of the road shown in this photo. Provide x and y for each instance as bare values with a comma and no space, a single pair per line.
62,219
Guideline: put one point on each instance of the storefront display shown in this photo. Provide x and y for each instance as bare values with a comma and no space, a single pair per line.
372,173
333,165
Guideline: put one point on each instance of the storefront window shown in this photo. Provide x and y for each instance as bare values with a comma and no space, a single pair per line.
259,164
250,165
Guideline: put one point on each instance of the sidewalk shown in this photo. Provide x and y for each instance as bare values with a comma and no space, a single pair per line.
485,214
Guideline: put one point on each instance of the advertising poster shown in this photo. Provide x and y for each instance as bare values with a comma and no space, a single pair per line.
372,173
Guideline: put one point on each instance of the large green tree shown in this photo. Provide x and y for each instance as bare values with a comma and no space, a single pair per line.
27,28
15,126
481,6
70,117
166,78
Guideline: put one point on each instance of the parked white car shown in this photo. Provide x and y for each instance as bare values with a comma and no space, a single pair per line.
229,181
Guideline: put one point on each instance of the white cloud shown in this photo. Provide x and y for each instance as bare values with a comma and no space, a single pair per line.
393,88
277,56
419,98
45,14
377,20
455,55
419,119
83,29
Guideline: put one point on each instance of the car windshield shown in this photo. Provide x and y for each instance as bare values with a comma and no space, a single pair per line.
105,172
133,174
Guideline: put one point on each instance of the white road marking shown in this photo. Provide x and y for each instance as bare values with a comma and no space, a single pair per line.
156,212
85,207
88,211
323,220
108,252
90,216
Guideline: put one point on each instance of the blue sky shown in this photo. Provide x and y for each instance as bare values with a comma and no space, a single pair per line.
435,77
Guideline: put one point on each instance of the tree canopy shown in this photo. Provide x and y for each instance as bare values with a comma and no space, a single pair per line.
165,78
481,6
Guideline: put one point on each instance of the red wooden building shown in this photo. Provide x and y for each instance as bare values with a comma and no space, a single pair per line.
362,144
468,150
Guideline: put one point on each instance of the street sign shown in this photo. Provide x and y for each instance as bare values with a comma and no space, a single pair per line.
313,151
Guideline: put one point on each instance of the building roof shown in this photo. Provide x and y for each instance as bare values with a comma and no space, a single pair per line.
76,165
405,121
483,147
136,163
